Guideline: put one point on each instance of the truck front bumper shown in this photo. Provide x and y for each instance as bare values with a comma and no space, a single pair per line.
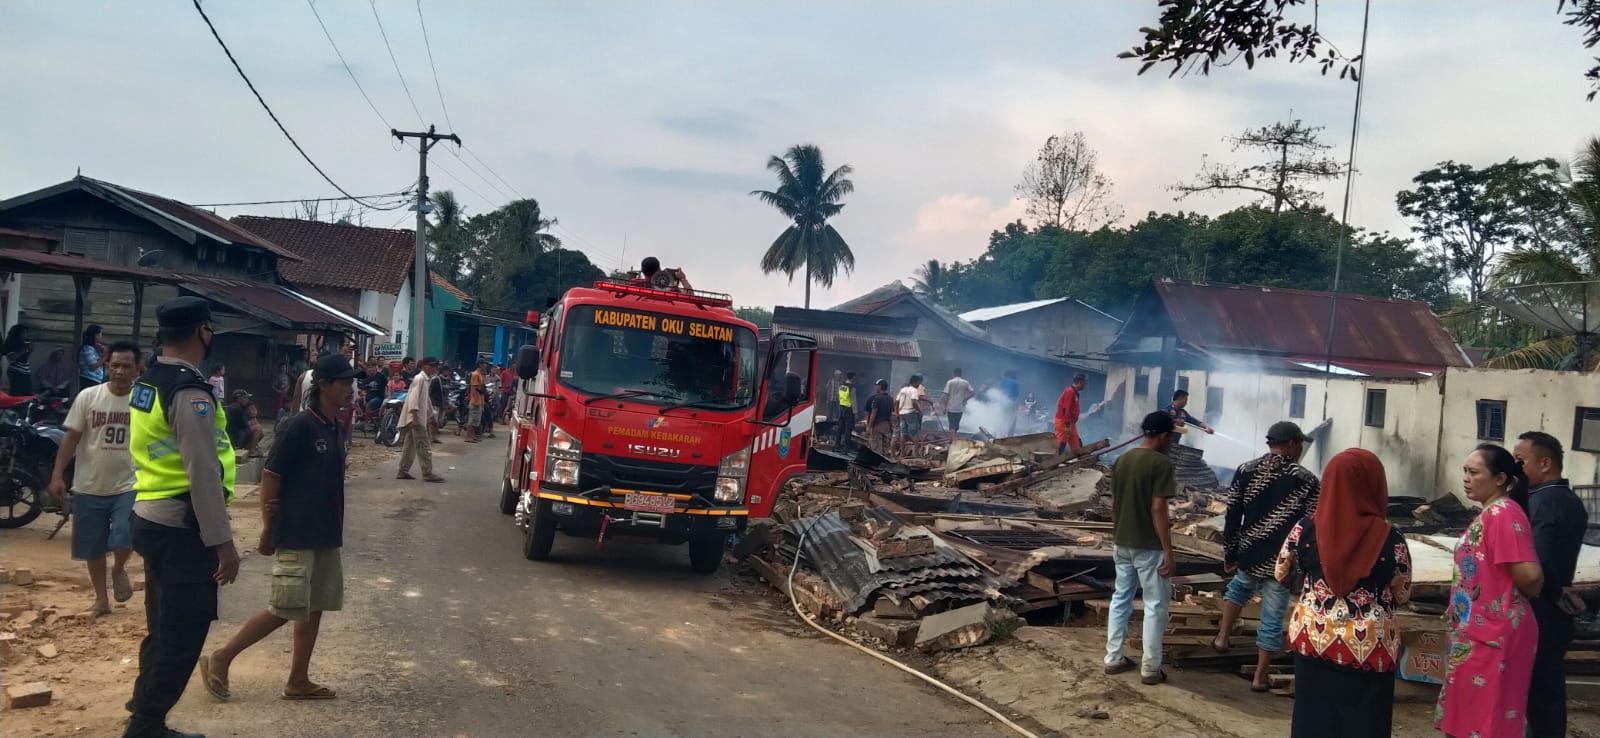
587,515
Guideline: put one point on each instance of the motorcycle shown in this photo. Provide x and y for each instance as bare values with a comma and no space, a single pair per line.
455,405
388,432
27,458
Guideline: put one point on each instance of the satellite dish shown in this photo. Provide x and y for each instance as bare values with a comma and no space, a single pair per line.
151,258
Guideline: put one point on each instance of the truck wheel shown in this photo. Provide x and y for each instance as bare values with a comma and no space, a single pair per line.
508,497
705,553
540,534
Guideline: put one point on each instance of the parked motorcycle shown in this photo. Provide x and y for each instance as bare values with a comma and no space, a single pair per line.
388,433
455,405
27,457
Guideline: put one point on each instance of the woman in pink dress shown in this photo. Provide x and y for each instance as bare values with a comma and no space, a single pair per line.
1493,635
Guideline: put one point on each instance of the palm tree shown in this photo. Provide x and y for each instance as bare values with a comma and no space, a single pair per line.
447,235
1572,259
929,279
808,197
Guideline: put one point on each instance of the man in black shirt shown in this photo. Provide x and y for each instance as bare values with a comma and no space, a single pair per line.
1267,497
880,417
1559,521
244,434
302,506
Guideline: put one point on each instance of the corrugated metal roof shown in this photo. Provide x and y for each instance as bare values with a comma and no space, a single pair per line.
1222,318
24,260
857,344
1001,311
280,306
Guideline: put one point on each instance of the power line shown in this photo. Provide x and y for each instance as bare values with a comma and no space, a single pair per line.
395,61
346,64
268,108
436,88
299,200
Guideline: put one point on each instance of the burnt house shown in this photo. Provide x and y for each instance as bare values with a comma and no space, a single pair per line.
868,345
946,342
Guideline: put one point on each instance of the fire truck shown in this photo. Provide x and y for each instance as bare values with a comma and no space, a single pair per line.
650,410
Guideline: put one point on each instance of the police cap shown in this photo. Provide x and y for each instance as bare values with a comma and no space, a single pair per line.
183,312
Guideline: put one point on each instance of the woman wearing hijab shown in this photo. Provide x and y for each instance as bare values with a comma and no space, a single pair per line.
56,375
1493,635
1350,570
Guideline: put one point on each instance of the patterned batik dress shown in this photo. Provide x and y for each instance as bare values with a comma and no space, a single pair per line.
1493,635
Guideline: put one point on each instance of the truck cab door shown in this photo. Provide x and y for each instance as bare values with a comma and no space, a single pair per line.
785,411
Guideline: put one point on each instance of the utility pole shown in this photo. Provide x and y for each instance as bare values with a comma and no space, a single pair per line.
419,275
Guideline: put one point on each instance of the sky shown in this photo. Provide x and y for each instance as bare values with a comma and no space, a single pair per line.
642,127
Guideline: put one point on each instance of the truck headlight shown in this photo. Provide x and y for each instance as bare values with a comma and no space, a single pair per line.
731,474
563,472
563,444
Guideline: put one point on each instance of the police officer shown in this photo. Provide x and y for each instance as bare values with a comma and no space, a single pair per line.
183,482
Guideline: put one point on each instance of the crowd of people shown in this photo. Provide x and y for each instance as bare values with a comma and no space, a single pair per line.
894,422
1332,571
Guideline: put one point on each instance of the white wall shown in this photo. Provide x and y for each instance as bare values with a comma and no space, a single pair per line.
377,308
400,312
1429,424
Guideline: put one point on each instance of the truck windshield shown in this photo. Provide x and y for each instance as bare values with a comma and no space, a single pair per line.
670,359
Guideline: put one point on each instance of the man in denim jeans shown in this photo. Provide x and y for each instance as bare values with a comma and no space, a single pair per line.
1268,496
1142,481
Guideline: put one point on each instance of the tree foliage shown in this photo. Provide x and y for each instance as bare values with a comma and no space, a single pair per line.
808,195
1566,261
762,317
1470,215
1195,35
506,258
1065,188
1250,245
1293,163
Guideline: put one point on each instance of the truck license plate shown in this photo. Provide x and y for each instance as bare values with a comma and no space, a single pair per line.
647,503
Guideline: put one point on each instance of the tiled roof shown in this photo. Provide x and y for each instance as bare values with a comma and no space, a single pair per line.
339,254
444,284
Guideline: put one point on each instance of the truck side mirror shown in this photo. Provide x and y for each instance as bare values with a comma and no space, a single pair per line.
528,362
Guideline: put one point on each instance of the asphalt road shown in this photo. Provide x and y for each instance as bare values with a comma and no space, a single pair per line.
448,631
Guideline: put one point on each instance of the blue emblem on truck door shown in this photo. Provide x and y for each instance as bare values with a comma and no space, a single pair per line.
783,443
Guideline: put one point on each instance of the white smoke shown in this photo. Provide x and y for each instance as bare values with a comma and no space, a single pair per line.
992,411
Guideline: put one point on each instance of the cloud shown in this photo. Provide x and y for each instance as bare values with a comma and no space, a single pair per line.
716,125
693,179
965,214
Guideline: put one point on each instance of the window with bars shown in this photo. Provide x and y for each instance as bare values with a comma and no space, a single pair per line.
1492,420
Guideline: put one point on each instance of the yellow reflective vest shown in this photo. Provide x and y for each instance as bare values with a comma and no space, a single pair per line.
846,396
158,467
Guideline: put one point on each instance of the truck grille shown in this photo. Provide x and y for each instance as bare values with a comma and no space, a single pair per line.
660,476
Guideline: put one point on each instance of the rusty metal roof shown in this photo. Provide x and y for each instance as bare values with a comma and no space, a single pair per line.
840,332
38,262
877,347
275,304
1272,321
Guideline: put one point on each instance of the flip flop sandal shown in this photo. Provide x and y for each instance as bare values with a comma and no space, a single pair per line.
121,587
320,693
1260,690
1223,649
217,688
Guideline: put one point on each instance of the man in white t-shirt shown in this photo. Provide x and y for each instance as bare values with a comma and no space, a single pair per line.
102,481
957,392
908,408
219,383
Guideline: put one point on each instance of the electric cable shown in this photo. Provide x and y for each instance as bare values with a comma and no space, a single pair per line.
436,87
295,200
347,69
272,115
394,60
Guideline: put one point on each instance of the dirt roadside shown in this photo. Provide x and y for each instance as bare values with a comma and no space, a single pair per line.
96,659
1053,677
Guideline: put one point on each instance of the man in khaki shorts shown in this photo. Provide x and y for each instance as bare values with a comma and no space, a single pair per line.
302,506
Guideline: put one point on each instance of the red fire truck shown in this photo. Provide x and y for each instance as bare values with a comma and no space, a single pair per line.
649,411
